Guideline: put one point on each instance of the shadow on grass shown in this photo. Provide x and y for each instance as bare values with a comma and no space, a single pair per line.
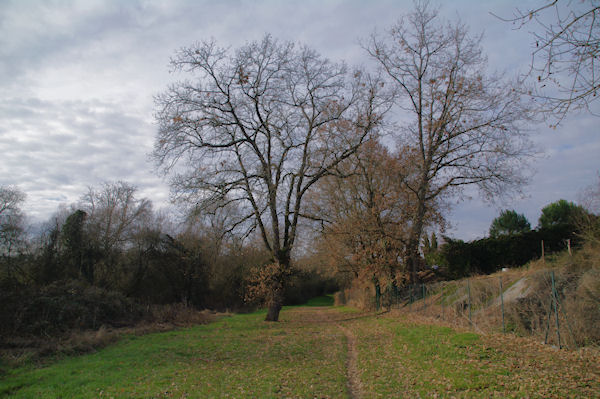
325,300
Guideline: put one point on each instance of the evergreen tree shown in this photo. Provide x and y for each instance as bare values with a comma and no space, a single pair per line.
509,222
560,212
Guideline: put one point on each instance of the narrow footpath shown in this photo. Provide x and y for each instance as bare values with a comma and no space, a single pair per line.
354,385
330,316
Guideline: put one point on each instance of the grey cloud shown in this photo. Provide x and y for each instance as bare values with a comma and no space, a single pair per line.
97,142
77,79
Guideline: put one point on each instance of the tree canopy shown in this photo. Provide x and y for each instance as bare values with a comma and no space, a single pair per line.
258,127
509,222
560,212
365,214
465,126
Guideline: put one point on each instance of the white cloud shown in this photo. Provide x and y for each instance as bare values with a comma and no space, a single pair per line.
78,78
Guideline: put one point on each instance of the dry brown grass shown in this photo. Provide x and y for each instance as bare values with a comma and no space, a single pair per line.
577,282
527,297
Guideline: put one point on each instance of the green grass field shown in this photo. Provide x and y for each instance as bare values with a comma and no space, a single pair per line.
305,355
425,360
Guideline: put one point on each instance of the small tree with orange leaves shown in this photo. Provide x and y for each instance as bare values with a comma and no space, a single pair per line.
366,215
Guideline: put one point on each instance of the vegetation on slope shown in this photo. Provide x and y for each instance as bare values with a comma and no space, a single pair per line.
555,299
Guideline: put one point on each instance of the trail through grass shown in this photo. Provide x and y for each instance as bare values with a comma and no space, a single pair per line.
306,355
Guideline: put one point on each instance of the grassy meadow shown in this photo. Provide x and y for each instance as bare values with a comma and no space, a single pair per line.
305,355
419,359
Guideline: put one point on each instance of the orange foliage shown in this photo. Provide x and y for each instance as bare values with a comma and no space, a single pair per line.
368,212
265,284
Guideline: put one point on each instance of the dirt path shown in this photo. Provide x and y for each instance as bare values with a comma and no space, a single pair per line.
354,384
330,316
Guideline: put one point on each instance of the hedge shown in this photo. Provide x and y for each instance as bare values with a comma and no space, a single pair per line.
488,255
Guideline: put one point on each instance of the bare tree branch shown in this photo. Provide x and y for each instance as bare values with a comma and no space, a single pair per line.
260,126
467,127
564,65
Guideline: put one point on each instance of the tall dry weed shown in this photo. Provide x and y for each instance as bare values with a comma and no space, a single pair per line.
527,299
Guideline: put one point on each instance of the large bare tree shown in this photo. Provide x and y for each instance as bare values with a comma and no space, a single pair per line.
564,66
465,126
110,218
11,220
258,127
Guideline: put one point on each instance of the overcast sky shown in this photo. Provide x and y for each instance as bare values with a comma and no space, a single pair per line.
77,80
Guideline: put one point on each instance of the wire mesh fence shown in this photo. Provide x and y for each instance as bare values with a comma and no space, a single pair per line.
543,303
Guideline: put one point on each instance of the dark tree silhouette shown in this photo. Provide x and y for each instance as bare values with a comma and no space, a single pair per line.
258,128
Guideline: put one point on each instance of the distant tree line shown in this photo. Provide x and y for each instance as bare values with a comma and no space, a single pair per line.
513,243
106,258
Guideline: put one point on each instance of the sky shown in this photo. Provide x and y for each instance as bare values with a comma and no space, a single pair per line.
78,79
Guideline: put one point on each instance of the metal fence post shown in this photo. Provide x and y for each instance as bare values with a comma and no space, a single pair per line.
555,300
469,295
502,304
548,321
443,300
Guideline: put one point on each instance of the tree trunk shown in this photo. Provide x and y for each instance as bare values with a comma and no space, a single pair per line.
413,258
273,312
414,239
275,303
275,300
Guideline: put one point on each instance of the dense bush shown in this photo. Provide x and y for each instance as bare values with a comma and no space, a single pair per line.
490,254
63,306
41,300
109,259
